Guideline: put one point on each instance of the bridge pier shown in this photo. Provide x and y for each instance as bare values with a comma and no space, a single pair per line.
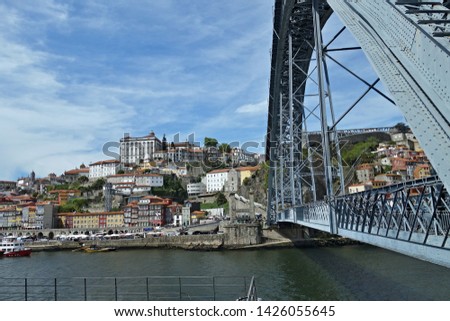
239,235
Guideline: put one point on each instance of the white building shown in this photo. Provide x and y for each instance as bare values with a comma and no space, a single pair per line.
215,180
196,188
133,150
153,180
356,188
104,168
173,169
238,156
135,183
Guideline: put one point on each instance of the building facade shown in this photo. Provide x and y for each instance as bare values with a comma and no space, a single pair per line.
7,185
91,220
103,169
134,150
356,188
10,218
135,183
74,174
216,179
196,189
153,212
365,173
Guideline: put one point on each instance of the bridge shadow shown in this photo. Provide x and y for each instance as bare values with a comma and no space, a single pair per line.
357,271
371,273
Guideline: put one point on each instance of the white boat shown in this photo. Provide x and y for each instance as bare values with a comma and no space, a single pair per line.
12,246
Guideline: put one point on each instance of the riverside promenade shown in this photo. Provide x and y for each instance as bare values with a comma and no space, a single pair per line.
234,236
210,242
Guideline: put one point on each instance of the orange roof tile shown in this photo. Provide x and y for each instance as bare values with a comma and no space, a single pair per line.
223,170
109,161
76,171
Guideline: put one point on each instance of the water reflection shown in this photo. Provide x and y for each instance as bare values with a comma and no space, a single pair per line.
339,273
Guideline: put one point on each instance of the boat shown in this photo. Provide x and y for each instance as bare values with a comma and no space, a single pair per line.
95,248
82,247
12,246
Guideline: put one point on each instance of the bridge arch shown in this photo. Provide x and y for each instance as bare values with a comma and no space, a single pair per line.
409,49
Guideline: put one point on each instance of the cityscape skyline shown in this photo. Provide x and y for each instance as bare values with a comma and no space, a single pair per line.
78,75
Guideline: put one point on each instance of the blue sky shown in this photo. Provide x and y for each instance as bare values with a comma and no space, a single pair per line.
75,75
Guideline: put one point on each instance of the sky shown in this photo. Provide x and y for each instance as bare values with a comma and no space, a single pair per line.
76,75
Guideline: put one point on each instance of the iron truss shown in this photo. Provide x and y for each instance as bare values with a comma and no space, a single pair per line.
407,44
412,218
292,172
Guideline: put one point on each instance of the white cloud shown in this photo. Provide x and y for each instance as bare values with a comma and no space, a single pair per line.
258,108
78,74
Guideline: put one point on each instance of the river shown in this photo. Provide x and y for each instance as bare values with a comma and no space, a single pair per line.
358,272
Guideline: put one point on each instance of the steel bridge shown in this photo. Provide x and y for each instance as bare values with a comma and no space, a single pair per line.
407,43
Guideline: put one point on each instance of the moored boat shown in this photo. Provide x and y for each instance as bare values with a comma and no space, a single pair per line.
95,248
14,247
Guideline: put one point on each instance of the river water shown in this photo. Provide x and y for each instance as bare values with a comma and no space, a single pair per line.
358,272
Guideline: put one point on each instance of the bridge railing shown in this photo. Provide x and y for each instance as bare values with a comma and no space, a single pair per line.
411,212
415,211
153,288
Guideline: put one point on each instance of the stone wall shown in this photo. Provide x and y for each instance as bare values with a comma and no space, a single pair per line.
238,235
188,242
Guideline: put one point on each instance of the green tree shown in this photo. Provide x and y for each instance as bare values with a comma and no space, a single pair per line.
210,142
221,199
74,205
98,184
172,188
362,150
224,148
402,127
82,179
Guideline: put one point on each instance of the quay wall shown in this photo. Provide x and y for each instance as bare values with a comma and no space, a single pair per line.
188,242
234,236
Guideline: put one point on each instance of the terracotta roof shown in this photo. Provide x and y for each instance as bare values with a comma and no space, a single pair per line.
365,166
248,168
149,175
43,203
122,175
7,182
76,171
223,170
90,214
57,191
199,212
132,204
152,197
109,161
7,209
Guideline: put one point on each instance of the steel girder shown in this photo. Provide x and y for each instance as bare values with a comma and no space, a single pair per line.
291,168
408,46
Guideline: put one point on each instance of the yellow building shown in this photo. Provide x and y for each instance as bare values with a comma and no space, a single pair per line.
91,220
246,172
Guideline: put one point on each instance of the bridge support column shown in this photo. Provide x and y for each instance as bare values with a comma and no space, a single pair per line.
323,113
